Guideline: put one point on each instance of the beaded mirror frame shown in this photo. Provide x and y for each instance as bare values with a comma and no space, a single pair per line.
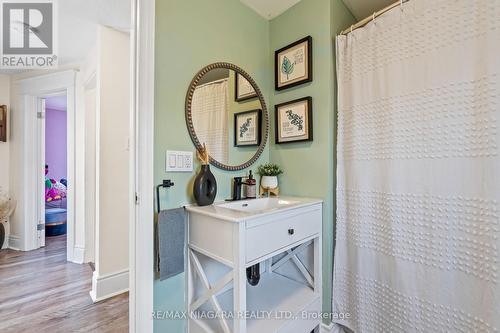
189,116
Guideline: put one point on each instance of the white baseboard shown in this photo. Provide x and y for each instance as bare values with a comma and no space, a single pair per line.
109,285
5,244
78,255
14,243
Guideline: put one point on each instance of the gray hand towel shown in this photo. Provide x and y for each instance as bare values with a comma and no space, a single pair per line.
171,232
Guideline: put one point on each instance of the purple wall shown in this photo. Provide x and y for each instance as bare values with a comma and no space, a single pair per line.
55,143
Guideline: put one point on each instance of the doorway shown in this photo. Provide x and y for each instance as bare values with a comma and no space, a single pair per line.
33,94
54,109
29,91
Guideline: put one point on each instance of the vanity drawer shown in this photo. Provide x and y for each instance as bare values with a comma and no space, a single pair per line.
274,234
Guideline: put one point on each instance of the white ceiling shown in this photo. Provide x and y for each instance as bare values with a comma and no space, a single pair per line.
364,8
269,9
77,22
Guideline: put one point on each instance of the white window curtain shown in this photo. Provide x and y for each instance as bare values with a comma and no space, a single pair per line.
418,177
210,118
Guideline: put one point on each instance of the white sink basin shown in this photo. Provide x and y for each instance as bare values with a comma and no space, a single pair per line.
244,210
259,205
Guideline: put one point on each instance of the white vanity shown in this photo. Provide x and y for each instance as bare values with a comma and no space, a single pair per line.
283,235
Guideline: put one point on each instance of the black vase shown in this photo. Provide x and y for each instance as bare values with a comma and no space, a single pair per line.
205,187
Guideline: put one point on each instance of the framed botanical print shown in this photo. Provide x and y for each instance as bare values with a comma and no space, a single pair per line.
293,64
243,90
293,121
247,128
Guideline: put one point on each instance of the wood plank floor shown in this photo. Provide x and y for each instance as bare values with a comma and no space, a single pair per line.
41,292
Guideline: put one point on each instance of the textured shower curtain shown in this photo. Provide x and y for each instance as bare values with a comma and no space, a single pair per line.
418,177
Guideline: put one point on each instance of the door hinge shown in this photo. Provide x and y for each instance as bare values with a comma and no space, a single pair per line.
40,115
136,198
40,226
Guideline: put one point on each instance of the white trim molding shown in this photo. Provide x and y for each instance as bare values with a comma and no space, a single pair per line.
141,171
78,255
109,285
14,242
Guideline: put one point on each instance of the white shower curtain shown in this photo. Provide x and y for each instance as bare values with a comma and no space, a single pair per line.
210,117
418,177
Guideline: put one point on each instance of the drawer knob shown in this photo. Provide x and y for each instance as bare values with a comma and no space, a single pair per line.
291,231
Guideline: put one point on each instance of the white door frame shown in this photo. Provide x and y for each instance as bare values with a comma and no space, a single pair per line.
89,85
41,114
30,91
141,170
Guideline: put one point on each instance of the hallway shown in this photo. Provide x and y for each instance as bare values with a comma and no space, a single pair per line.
41,292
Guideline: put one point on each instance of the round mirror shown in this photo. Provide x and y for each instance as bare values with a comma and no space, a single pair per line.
225,110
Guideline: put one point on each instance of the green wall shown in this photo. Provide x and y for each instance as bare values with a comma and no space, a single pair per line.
309,166
193,33
189,35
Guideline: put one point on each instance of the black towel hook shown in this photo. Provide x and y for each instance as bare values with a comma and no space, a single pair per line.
166,183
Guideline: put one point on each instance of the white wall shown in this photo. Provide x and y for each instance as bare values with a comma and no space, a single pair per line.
4,146
15,168
112,195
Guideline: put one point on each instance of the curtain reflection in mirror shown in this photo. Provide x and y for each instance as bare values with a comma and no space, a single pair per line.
210,117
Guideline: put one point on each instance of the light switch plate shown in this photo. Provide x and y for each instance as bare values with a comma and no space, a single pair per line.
179,161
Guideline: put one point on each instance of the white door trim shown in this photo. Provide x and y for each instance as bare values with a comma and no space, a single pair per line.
40,139
29,90
141,171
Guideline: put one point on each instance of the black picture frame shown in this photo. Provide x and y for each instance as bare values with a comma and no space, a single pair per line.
277,122
236,91
309,65
259,128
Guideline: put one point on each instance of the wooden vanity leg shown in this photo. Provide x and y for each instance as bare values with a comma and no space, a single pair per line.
240,279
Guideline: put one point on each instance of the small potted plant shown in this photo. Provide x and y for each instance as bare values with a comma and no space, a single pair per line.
269,175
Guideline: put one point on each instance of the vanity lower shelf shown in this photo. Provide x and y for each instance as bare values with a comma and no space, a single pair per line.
275,296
